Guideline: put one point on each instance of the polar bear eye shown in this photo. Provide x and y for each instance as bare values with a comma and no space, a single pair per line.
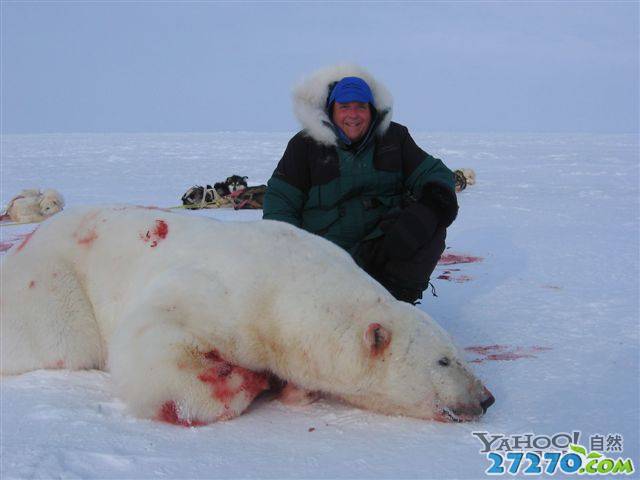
444,362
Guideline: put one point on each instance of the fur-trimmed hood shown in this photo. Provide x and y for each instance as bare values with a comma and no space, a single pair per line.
310,98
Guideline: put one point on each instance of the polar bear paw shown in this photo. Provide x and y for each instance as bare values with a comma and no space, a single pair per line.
230,389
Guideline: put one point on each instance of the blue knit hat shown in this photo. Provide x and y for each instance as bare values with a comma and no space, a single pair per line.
351,89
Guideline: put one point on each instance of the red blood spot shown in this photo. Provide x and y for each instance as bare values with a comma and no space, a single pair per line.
224,369
86,233
57,365
218,376
446,275
161,229
504,352
378,338
4,246
88,238
213,355
485,349
158,233
312,429
26,239
452,259
169,413
32,284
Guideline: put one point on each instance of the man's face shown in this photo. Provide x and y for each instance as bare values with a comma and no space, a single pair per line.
353,118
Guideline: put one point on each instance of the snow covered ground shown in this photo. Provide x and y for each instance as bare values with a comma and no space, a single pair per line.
548,313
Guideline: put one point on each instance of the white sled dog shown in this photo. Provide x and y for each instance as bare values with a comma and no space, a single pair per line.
34,206
192,317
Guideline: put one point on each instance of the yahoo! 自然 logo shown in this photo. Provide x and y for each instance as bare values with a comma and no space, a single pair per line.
562,452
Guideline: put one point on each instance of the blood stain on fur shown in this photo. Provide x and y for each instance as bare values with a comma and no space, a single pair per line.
57,365
86,233
161,229
228,381
453,259
32,284
25,240
504,352
155,235
88,238
169,413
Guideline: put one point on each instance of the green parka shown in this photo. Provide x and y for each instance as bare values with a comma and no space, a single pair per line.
341,194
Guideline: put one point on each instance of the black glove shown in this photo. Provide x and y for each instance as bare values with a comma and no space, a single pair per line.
442,200
406,279
411,231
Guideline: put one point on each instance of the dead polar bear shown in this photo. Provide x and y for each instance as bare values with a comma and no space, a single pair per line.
192,316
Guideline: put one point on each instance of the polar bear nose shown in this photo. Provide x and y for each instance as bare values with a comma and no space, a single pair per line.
488,401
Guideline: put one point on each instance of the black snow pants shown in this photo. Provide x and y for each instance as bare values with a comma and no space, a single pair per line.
405,279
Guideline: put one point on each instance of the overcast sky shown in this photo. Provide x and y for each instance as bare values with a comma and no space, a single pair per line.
205,66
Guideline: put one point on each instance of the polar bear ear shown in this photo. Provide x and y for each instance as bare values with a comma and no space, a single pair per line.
377,339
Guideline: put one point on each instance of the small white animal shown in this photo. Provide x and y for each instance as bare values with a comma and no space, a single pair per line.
193,330
34,206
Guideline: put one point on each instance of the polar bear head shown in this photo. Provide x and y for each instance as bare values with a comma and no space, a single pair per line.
412,368
393,358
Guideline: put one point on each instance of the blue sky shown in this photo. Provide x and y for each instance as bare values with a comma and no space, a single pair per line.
205,66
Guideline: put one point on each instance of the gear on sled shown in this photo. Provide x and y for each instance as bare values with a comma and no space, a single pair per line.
232,193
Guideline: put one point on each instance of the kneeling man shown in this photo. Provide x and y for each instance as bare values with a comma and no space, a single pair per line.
359,180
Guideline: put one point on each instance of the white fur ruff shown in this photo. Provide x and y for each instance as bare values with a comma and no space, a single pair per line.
310,97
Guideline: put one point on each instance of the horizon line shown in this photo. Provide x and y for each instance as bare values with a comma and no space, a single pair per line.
415,131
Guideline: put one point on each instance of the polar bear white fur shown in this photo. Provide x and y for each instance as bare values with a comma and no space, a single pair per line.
193,316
